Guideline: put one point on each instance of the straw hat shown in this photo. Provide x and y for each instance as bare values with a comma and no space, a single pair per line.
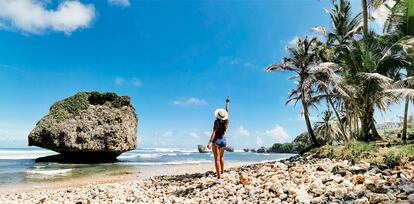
221,114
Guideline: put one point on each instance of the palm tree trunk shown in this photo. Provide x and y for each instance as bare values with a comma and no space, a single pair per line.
404,132
341,126
365,17
312,136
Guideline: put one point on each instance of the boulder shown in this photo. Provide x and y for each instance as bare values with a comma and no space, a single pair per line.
246,150
252,150
229,149
262,150
202,149
87,127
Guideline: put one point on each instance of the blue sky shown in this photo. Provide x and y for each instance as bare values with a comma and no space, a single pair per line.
178,60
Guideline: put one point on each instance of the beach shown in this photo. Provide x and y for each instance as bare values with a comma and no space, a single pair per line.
296,180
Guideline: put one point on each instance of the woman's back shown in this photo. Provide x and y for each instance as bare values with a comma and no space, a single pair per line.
220,126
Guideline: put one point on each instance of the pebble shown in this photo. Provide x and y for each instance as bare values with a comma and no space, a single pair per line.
302,180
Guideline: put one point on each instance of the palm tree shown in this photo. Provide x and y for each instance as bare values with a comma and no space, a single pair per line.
344,26
300,59
328,128
328,83
366,6
368,88
401,23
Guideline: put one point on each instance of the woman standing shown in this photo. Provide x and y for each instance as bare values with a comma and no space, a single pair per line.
217,140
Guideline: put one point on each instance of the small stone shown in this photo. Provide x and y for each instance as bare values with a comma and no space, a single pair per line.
411,197
244,179
363,200
358,179
302,196
378,198
320,168
340,193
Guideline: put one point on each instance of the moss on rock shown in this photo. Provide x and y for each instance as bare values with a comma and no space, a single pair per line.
82,100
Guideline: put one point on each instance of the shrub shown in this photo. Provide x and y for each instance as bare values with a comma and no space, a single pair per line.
397,155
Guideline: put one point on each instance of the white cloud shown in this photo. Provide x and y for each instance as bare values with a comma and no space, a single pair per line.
33,16
136,81
14,132
194,135
119,81
120,3
243,131
277,133
381,14
168,133
259,141
292,43
235,61
192,101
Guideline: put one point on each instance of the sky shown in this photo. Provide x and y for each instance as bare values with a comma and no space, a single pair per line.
178,60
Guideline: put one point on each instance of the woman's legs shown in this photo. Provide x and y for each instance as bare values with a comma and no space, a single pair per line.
216,153
221,150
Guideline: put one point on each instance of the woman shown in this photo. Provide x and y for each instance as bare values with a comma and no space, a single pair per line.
218,141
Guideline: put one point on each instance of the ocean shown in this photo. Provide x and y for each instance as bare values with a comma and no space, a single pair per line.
18,166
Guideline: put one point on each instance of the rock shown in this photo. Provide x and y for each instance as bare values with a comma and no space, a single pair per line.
252,150
302,196
246,150
229,149
244,179
358,179
87,127
202,149
361,201
407,188
340,193
411,198
262,150
378,198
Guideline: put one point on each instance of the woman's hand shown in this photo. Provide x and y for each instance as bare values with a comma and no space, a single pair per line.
227,99
210,144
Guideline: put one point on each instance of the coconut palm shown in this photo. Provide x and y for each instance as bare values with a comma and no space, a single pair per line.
299,61
365,67
368,5
344,26
328,83
401,24
328,128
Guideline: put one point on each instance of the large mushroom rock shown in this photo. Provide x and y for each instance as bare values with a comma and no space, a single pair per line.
262,150
87,127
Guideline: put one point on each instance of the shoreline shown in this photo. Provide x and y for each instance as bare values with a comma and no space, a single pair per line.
139,174
294,180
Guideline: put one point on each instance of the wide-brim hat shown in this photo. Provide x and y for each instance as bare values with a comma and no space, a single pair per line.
221,114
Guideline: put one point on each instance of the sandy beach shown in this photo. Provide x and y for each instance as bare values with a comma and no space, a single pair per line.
136,174
294,180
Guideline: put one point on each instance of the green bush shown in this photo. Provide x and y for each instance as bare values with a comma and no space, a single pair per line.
397,155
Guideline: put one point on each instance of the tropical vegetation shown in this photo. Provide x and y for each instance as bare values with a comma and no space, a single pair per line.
352,72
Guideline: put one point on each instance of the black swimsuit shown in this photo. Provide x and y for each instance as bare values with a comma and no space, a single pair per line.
220,126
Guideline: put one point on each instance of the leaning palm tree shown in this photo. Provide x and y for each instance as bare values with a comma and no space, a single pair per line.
299,61
328,83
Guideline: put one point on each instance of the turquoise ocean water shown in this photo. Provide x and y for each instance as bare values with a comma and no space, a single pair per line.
17,165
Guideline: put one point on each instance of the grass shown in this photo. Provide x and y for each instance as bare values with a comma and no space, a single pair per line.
357,151
80,101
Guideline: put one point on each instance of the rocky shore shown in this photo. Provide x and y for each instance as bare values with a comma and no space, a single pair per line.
295,180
